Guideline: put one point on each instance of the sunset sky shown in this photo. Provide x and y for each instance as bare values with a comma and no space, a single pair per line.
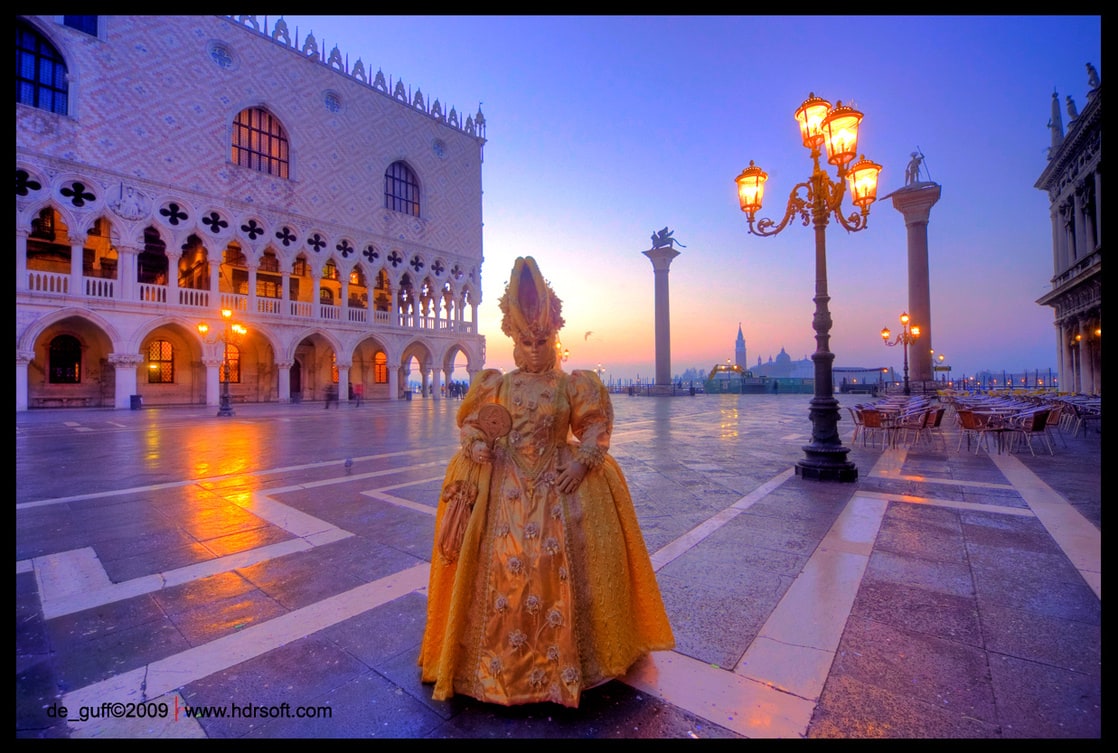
603,129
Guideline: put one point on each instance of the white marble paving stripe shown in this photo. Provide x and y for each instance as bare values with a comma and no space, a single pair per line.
161,677
254,474
351,477
738,703
952,482
630,435
61,576
681,544
1077,536
400,502
295,522
75,580
773,690
794,649
952,503
101,495
889,463
415,482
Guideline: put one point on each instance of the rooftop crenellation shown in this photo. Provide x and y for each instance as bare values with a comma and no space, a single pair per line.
473,125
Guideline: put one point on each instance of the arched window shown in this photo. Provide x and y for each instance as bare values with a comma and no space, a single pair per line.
194,265
269,282
401,189
161,362
380,368
48,244
232,363
382,294
65,360
151,263
260,142
40,72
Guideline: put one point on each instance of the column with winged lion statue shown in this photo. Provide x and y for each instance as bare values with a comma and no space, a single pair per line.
662,253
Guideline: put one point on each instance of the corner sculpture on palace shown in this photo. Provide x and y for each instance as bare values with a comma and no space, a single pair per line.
541,585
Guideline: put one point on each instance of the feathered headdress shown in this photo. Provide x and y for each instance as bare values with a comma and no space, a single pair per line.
529,304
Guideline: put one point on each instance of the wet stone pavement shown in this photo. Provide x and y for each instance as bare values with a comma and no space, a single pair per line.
270,568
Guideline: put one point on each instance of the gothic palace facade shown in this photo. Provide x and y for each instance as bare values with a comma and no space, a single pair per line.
204,204
1073,181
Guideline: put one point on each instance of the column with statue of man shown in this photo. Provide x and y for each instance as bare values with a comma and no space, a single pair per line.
915,201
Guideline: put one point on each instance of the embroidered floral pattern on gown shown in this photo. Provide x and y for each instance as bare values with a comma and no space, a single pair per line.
551,593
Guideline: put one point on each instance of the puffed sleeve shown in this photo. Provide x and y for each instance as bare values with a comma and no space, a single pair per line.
485,389
591,416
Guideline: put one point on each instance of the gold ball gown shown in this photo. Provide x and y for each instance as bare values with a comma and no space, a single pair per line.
548,593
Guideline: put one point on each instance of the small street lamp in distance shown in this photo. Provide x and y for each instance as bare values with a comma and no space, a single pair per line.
230,331
908,336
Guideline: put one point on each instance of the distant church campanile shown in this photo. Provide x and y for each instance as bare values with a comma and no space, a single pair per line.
739,350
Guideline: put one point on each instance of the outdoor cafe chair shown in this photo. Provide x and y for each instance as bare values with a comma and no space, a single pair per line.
1027,425
876,424
974,426
934,425
912,423
1054,426
1085,415
856,419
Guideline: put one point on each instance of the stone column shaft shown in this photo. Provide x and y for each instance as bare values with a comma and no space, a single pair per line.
915,202
661,261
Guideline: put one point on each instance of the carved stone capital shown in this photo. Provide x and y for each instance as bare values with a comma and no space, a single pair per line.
125,359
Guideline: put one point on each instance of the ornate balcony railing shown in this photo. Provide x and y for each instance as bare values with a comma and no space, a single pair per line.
56,284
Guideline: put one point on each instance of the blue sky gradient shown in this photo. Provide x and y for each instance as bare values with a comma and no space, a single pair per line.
604,129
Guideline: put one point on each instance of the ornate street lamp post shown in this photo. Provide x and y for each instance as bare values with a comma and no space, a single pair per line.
907,337
836,129
231,331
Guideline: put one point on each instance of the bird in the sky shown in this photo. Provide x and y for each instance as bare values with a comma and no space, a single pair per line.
587,336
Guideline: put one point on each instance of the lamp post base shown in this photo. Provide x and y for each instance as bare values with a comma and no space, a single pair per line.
825,458
826,463
225,405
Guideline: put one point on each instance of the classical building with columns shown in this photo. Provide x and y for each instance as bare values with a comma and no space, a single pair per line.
208,204
1073,181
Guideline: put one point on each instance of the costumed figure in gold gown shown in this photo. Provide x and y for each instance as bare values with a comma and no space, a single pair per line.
541,584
